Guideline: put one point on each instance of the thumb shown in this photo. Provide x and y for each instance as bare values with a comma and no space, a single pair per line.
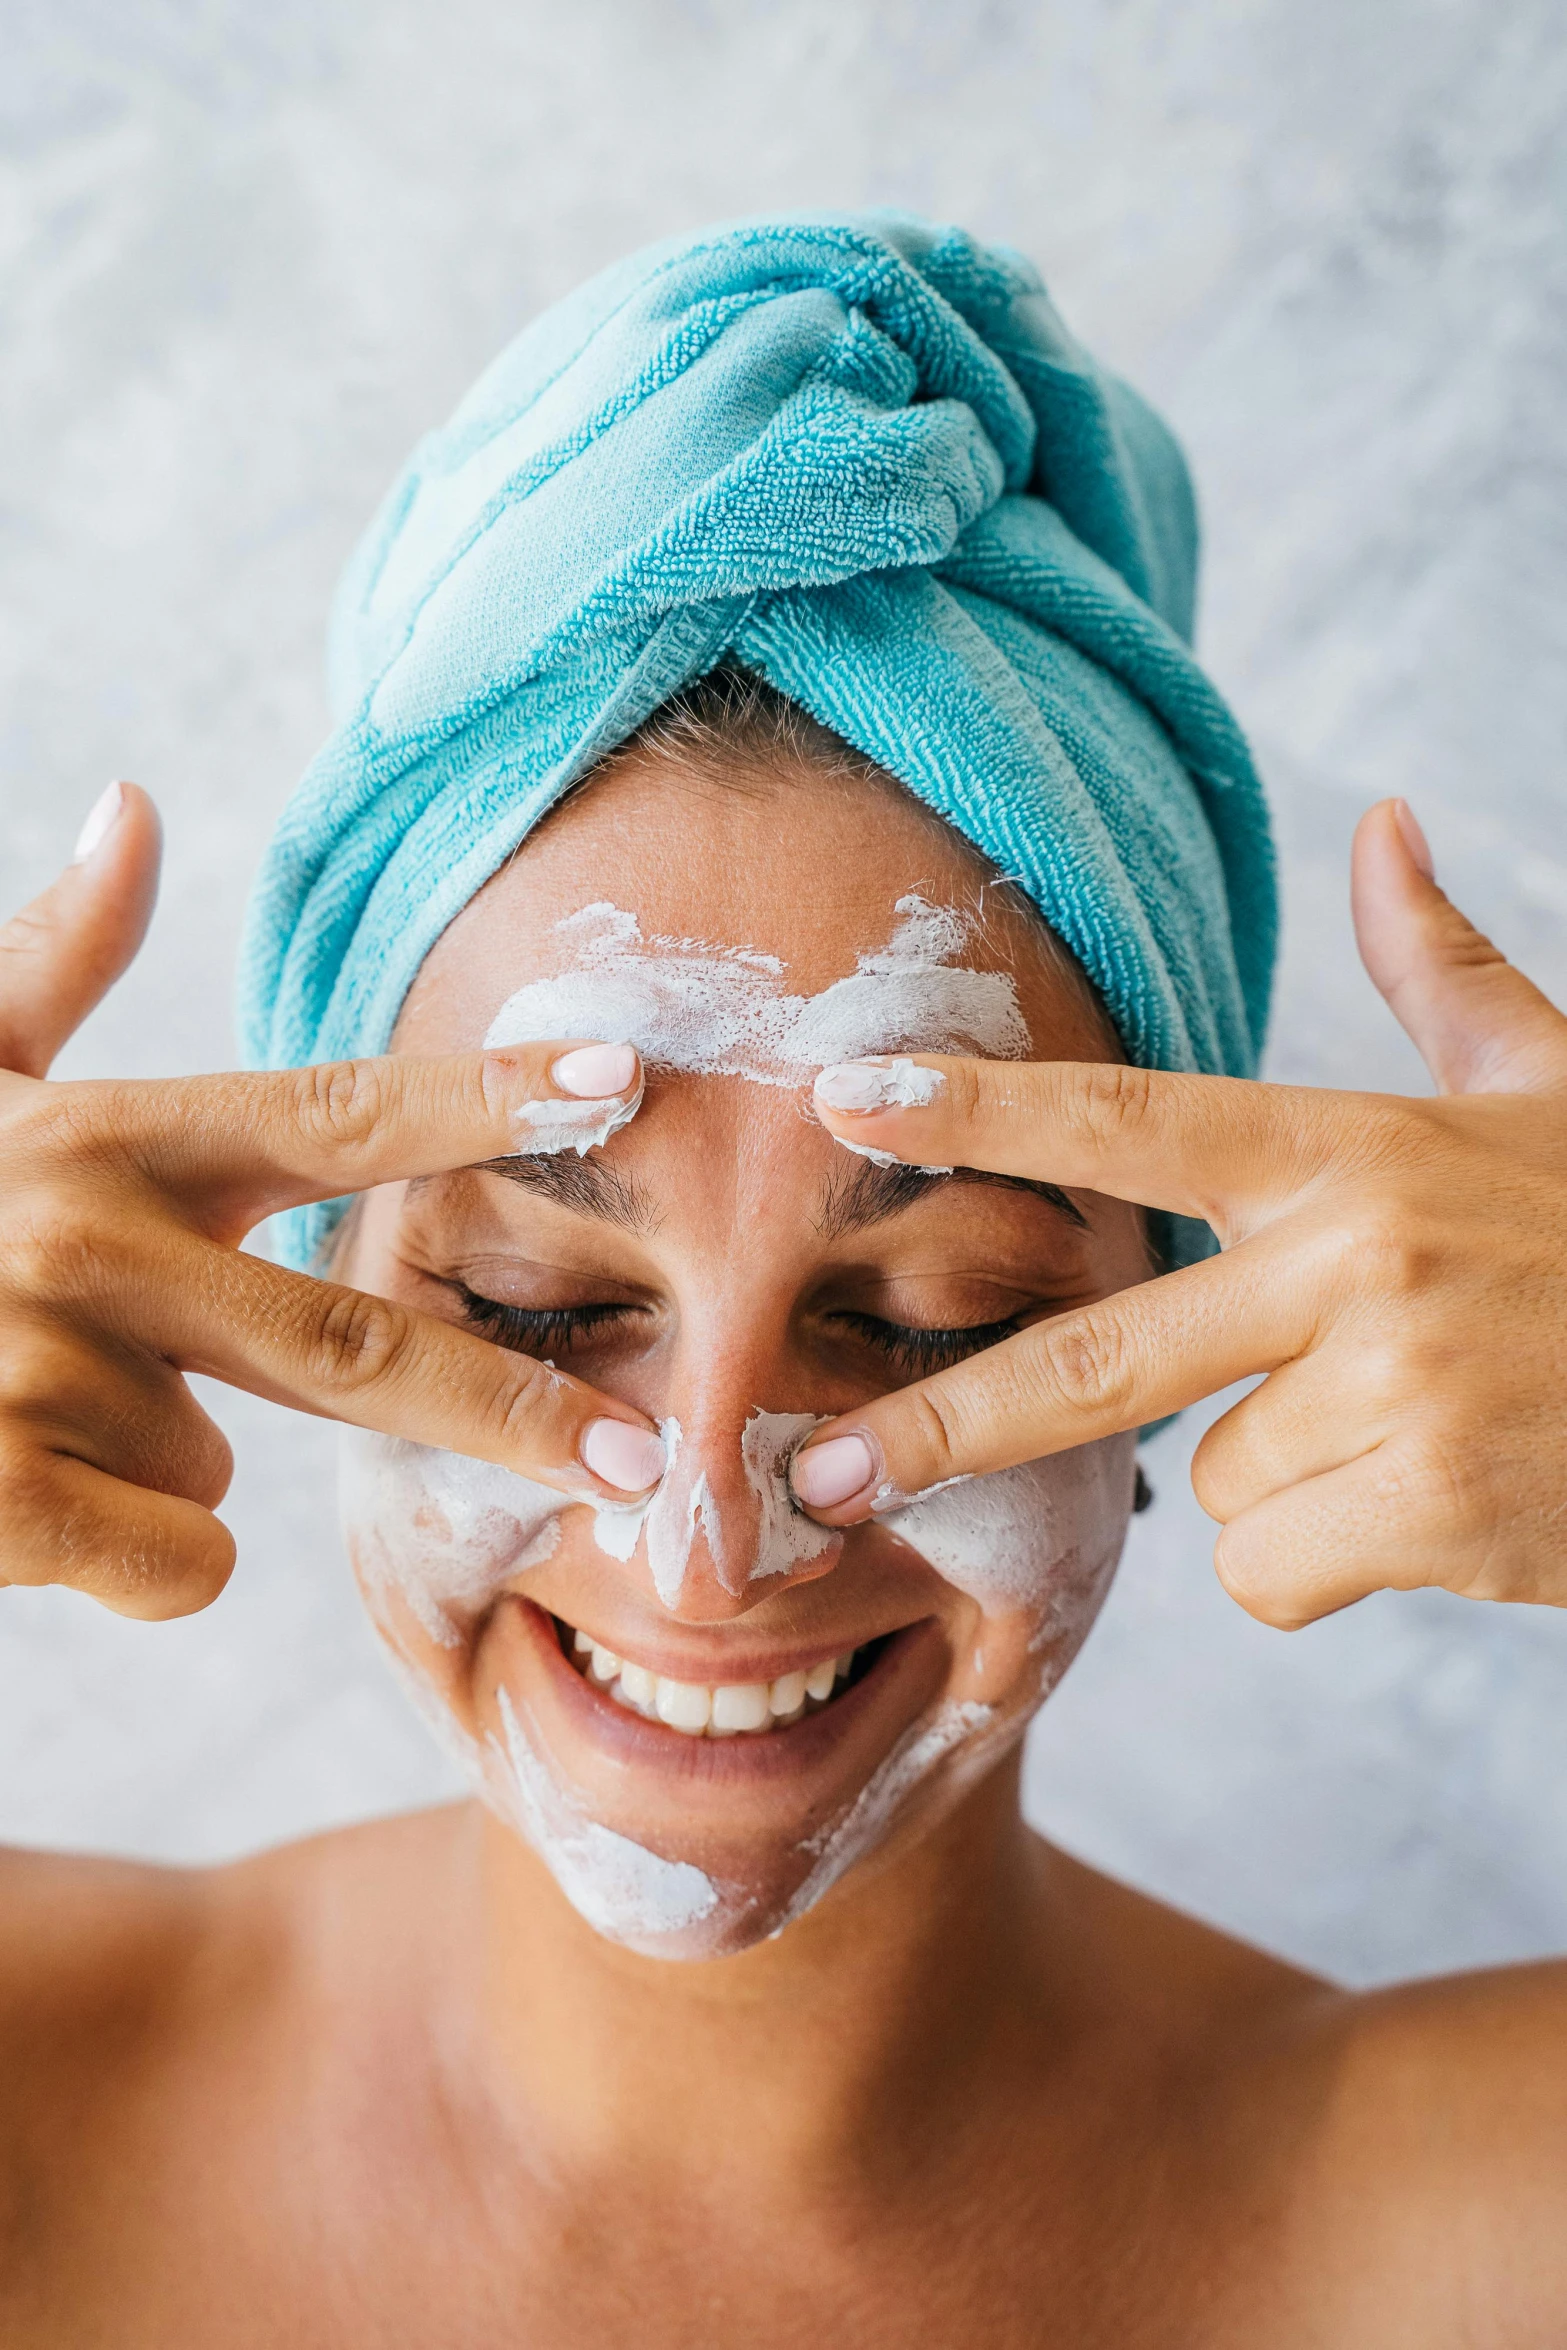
62,954
1481,1026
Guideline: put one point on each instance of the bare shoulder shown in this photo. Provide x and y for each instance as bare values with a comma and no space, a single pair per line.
161,2031
92,1956
1175,1975
84,1939
1461,2082
1385,2166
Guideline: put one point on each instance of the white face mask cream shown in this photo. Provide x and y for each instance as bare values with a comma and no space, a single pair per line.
725,1012
624,1891
447,1534
444,1536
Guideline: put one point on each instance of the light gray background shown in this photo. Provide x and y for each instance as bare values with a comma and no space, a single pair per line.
249,253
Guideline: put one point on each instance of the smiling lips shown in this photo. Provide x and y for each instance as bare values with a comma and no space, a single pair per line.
731,1709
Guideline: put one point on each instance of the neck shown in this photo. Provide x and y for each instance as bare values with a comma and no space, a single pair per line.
877,2005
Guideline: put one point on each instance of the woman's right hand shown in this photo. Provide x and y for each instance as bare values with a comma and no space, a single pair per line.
122,1207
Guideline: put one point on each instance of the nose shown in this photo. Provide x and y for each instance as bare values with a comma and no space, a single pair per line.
722,1532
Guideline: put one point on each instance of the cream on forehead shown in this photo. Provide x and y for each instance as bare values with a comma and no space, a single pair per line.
725,1012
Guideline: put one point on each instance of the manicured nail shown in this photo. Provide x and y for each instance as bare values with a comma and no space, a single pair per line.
629,1458
1414,839
591,1072
895,1083
102,817
831,1472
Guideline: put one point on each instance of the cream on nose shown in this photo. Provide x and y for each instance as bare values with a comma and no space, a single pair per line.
725,1521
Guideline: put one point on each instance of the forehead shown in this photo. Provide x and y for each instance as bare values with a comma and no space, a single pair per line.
803,867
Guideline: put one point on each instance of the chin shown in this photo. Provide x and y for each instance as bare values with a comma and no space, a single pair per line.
668,1892
681,1846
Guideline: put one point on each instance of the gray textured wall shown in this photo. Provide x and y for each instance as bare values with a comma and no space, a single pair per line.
249,253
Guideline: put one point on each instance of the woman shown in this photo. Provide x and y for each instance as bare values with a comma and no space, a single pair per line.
742,2006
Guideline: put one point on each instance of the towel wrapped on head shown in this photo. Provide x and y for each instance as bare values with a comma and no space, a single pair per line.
861,457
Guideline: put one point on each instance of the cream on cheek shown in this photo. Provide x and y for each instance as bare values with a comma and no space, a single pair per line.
1035,1547
446,1535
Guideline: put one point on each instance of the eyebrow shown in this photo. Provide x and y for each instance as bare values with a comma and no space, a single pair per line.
868,1194
853,1200
586,1185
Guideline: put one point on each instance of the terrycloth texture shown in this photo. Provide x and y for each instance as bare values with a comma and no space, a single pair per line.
862,457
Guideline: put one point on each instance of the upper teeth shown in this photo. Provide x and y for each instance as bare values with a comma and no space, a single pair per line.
718,1712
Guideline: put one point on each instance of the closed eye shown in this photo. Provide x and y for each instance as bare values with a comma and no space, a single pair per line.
537,1330
918,1352
549,1330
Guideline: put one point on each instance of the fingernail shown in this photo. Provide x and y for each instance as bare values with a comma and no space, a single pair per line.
630,1458
1414,839
101,819
831,1472
896,1083
591,1072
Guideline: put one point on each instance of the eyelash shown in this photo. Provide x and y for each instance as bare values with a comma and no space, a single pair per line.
919,1352
540,1330
535,1330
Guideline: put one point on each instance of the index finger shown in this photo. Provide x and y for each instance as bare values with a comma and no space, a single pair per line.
347,1355
1196,1146
235,1148
1114,1365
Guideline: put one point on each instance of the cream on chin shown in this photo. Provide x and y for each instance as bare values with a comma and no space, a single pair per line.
625,1892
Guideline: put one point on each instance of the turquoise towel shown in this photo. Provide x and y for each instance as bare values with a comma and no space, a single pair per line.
861,456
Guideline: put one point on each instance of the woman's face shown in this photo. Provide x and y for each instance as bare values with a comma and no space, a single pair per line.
701,1713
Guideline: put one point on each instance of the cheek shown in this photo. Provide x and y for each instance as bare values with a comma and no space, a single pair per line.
434,1538
1034,1548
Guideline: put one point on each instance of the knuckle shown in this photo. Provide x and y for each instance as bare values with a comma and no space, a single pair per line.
1215,1478
1375,1251
38,1370
29,1492
1082,1362
1392,1136
1262,1580
1111,1100
54,1251
527,1389
965,1091
1394,1252
1427,1480
342,1104
937,1426
168,1576
178,1450
358,1341
70,1127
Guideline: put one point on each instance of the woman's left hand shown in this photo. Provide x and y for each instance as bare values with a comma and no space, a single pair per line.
1396,1268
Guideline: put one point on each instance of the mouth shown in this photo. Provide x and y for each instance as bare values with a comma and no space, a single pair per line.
725,1709
646,1737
